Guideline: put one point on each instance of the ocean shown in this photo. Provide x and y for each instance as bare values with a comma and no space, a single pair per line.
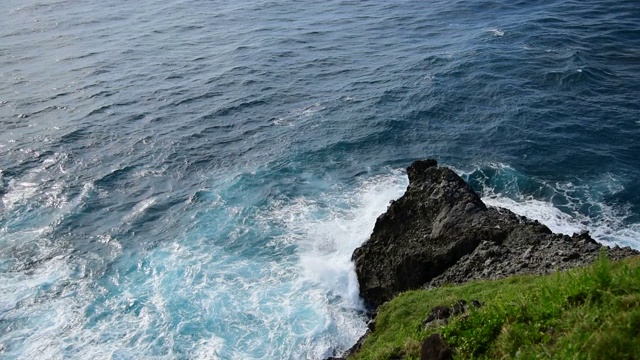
188,179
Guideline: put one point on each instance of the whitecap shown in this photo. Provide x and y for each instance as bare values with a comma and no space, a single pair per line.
545,212
327,231
606,223
298,114
139,209
496,32
18,191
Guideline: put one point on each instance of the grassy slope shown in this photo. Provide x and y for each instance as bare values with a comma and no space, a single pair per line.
590,313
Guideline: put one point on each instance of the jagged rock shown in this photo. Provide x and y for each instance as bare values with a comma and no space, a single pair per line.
434,348
422,234
437,316
440,231
438,313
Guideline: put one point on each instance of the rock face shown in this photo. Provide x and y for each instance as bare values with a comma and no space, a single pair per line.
440,231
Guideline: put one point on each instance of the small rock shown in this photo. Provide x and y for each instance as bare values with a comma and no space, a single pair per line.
434,348
475,303
592,247
371,325
459,307
573,256
438,313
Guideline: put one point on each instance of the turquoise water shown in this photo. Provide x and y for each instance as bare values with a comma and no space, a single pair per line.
183,180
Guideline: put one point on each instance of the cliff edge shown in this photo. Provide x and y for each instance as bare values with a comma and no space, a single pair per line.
440,231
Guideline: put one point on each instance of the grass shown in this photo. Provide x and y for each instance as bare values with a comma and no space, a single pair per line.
588,313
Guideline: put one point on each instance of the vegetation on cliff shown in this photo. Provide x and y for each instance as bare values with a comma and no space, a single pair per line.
584,313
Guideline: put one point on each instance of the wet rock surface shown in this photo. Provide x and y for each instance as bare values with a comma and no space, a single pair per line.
440,232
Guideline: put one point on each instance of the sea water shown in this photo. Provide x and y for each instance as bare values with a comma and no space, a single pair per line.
188,179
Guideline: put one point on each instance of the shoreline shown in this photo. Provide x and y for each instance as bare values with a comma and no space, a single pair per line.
440,232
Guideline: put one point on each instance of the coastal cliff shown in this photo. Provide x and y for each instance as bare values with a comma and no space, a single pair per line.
440,231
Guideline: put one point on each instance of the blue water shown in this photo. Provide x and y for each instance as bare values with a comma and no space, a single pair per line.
188,179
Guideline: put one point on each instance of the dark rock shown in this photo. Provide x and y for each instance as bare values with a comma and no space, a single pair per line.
460,307
585,237
573,256
438,313
422,234
434,348
417,168
371,325
440,231
437,316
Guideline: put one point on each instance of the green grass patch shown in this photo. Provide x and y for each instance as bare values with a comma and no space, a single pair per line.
587,313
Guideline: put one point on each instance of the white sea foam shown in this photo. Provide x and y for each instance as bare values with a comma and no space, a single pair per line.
139,209
300,304
18,191
542,211
606,226
204,298
208,349
496,32
608,229
34,184
327,231
295,115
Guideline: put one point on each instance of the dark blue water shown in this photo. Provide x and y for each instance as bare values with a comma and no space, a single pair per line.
188,179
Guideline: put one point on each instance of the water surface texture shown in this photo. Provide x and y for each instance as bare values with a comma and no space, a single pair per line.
188,179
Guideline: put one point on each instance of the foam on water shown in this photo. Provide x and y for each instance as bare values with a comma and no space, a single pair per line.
608,229
542,211
195,298
565,208
123,234
139,209
18,191
201,296
496,32
36,184
328,230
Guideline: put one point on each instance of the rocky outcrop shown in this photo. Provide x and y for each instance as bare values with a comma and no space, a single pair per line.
434,348
440,231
